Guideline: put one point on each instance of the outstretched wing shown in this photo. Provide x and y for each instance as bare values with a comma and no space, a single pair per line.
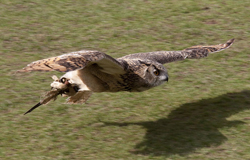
194,52
76,60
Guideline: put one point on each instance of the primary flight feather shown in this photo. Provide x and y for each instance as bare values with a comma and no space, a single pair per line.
94,71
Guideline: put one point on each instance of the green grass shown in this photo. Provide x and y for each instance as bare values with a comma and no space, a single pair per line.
201,113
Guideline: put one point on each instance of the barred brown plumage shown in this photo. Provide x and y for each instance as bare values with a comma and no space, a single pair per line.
94,71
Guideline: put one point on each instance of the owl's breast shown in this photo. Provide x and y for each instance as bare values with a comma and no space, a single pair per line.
97,81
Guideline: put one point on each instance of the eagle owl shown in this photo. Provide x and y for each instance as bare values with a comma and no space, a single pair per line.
94,71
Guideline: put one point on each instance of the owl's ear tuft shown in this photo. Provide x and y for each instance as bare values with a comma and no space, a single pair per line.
143,62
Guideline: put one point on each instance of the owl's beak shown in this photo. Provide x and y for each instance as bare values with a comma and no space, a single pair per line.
166,79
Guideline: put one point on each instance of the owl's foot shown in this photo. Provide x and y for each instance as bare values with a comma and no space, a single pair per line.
79,98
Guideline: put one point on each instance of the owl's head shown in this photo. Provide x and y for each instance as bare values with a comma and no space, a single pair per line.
155,73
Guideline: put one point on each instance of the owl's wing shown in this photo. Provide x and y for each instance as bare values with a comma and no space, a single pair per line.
76,60
194,52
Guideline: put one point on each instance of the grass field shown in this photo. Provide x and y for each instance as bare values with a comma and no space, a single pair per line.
203,112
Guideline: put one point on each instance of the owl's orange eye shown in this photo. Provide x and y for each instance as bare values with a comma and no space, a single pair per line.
156,72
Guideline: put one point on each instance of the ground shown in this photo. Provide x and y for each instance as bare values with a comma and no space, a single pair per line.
201,113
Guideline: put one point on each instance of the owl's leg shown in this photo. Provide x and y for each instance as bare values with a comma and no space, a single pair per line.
79,98
63,87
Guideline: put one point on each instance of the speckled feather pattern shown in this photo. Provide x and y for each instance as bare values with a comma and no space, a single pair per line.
68,62
80,59
194,52
94,71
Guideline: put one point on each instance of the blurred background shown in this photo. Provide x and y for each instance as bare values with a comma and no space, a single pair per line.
201,113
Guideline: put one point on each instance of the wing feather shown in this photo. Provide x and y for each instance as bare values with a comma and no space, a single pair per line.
75,60
194,52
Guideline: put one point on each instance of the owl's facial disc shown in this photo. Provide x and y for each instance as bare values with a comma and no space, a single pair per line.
161,74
